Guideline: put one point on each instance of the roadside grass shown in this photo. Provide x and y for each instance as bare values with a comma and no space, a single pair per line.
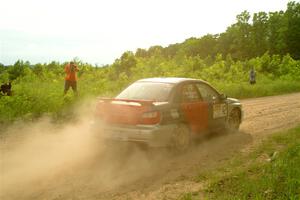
271,171
187,196
260,89
38,89
35,98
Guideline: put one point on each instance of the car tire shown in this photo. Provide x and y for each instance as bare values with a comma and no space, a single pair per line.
181,138
234,121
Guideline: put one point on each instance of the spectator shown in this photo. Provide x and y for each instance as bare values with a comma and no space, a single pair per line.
252,76
71,70
6,89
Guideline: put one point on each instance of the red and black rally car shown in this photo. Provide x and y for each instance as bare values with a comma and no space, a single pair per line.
166,112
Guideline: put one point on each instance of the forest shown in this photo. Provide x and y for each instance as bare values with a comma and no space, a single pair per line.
267,42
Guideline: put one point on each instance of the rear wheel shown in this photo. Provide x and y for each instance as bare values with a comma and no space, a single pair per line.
234,120
181,138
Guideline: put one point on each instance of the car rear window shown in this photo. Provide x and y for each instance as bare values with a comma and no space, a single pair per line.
147,91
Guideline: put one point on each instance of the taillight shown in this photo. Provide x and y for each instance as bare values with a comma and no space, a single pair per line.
152,117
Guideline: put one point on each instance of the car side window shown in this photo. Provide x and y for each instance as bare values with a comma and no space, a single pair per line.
207,93
189,93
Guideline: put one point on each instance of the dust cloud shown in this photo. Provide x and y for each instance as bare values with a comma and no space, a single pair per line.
45,160
49,161
43,157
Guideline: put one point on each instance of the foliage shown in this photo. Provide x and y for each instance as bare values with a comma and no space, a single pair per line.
223,60
276,177
38,89
251,36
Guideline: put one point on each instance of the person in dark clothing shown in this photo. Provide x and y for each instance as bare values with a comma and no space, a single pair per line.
252,76
6,89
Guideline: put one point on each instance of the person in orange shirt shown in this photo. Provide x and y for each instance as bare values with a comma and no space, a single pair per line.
71,77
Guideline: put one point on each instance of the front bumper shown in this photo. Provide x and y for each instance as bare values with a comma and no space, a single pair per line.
151,135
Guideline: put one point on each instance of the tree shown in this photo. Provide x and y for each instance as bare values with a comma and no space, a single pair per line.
127,61
293,31
142,53
277,28
236,40
18,69
240,31
259,34
203,47
155,51
171,50
38,69
4,76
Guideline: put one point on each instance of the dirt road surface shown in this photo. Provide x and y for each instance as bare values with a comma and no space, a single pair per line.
39,161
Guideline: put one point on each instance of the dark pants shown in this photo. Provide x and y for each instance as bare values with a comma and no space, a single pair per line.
72,84
252,82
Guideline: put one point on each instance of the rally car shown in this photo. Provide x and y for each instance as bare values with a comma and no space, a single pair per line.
166,112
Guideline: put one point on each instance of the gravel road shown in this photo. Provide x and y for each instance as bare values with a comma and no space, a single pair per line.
67,163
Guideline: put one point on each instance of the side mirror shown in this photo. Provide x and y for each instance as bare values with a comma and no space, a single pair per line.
223,96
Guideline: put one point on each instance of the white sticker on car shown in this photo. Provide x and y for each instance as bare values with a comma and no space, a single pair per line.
219,110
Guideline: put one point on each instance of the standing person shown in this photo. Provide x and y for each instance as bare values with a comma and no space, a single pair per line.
71,70
6,89
252,76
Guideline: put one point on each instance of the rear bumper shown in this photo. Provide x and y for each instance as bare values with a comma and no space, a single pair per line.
151,135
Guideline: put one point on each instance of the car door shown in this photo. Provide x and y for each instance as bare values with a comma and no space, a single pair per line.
193,107
217,108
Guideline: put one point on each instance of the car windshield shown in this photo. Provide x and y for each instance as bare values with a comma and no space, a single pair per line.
147,91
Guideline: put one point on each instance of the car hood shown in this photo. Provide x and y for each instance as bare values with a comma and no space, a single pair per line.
233,100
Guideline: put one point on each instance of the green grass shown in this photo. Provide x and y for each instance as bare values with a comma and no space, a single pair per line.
35,98
38,89
37,94
265,88
186,196
270,172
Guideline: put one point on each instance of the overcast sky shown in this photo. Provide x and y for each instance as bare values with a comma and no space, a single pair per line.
99,31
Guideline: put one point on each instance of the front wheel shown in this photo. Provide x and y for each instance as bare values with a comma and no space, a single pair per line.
181,138
234,121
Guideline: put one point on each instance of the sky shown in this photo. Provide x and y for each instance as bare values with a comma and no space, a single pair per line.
99,31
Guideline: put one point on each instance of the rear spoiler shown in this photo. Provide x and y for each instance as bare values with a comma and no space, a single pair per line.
141,102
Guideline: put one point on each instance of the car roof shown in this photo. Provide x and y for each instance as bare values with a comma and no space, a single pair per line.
173,80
